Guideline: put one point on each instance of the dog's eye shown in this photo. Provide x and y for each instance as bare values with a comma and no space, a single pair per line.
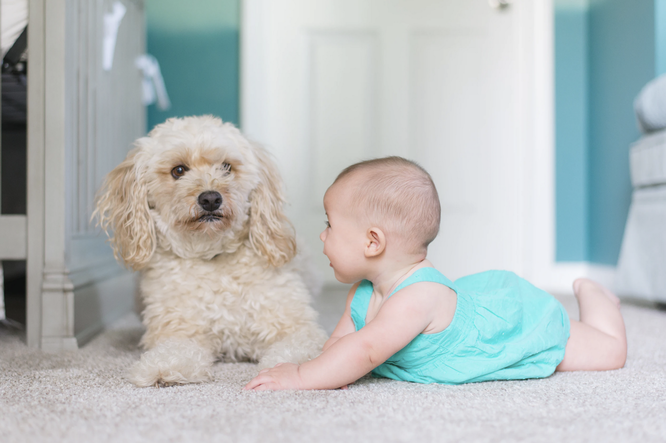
226,167
179,171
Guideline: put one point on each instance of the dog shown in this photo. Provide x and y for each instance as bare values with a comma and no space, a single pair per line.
198,209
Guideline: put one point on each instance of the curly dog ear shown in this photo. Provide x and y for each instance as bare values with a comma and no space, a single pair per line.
271,233
122,206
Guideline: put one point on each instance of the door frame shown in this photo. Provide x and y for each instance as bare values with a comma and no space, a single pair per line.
535,112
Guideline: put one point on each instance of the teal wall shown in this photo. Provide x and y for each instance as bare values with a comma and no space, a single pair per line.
660,32
197,45
605,52
571,130
622,61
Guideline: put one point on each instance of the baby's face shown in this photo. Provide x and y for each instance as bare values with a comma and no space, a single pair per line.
344,238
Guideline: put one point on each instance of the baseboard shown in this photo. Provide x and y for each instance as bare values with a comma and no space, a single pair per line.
92,330
87,334
335,286
557,279
97,304
604,274
58,344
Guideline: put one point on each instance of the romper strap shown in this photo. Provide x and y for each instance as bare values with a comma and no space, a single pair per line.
426,274
361,300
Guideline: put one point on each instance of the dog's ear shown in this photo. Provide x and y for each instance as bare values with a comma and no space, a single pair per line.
271,233
122,206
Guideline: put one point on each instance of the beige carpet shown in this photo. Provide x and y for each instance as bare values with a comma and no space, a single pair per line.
83,397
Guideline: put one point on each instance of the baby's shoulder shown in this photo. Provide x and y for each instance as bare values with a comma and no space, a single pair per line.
432,301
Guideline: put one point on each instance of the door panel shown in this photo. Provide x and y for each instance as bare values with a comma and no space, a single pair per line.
431,80
341,105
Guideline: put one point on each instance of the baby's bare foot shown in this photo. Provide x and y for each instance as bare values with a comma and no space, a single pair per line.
580,283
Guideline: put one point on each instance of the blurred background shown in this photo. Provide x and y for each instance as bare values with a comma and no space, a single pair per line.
522,111
605,51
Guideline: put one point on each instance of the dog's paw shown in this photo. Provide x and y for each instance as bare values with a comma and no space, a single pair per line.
269,361
173,362
299,347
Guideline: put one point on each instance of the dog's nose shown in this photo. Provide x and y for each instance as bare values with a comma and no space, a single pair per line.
210,200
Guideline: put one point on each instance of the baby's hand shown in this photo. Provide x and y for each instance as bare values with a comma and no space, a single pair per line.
282,376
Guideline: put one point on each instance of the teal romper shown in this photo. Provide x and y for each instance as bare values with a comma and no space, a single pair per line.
503,328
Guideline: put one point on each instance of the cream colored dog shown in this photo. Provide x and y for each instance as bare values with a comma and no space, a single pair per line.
198,209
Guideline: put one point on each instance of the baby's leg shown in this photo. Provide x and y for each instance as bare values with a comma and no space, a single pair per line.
598,341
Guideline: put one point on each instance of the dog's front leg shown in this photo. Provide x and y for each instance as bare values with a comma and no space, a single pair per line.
173,361
297,347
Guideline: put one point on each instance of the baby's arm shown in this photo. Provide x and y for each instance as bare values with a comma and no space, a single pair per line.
352,356
345,325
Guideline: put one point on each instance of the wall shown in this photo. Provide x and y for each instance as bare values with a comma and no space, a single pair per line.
606,50
571,130
660,32
622,60
197,45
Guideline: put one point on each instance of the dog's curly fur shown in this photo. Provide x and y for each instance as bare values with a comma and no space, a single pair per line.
215,284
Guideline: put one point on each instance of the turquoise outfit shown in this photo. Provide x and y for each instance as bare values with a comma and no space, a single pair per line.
503,328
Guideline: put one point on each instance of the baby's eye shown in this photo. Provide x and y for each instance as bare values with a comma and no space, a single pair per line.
328,225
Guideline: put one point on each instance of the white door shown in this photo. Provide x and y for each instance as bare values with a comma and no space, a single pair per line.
326,83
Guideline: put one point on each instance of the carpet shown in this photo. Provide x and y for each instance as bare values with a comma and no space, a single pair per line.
83,396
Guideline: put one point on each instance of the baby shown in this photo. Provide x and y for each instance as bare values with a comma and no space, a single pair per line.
406,321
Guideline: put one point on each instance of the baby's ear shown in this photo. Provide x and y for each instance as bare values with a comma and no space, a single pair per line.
375,242
271,233
122,207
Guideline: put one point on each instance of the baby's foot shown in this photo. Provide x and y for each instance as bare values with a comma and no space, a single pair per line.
581,282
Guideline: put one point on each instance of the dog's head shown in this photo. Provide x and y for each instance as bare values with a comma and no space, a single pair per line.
198,187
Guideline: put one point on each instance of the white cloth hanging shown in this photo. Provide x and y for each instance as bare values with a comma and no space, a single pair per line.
153,83
112,21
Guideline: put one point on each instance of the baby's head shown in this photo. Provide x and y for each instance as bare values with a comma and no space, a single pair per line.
396,195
